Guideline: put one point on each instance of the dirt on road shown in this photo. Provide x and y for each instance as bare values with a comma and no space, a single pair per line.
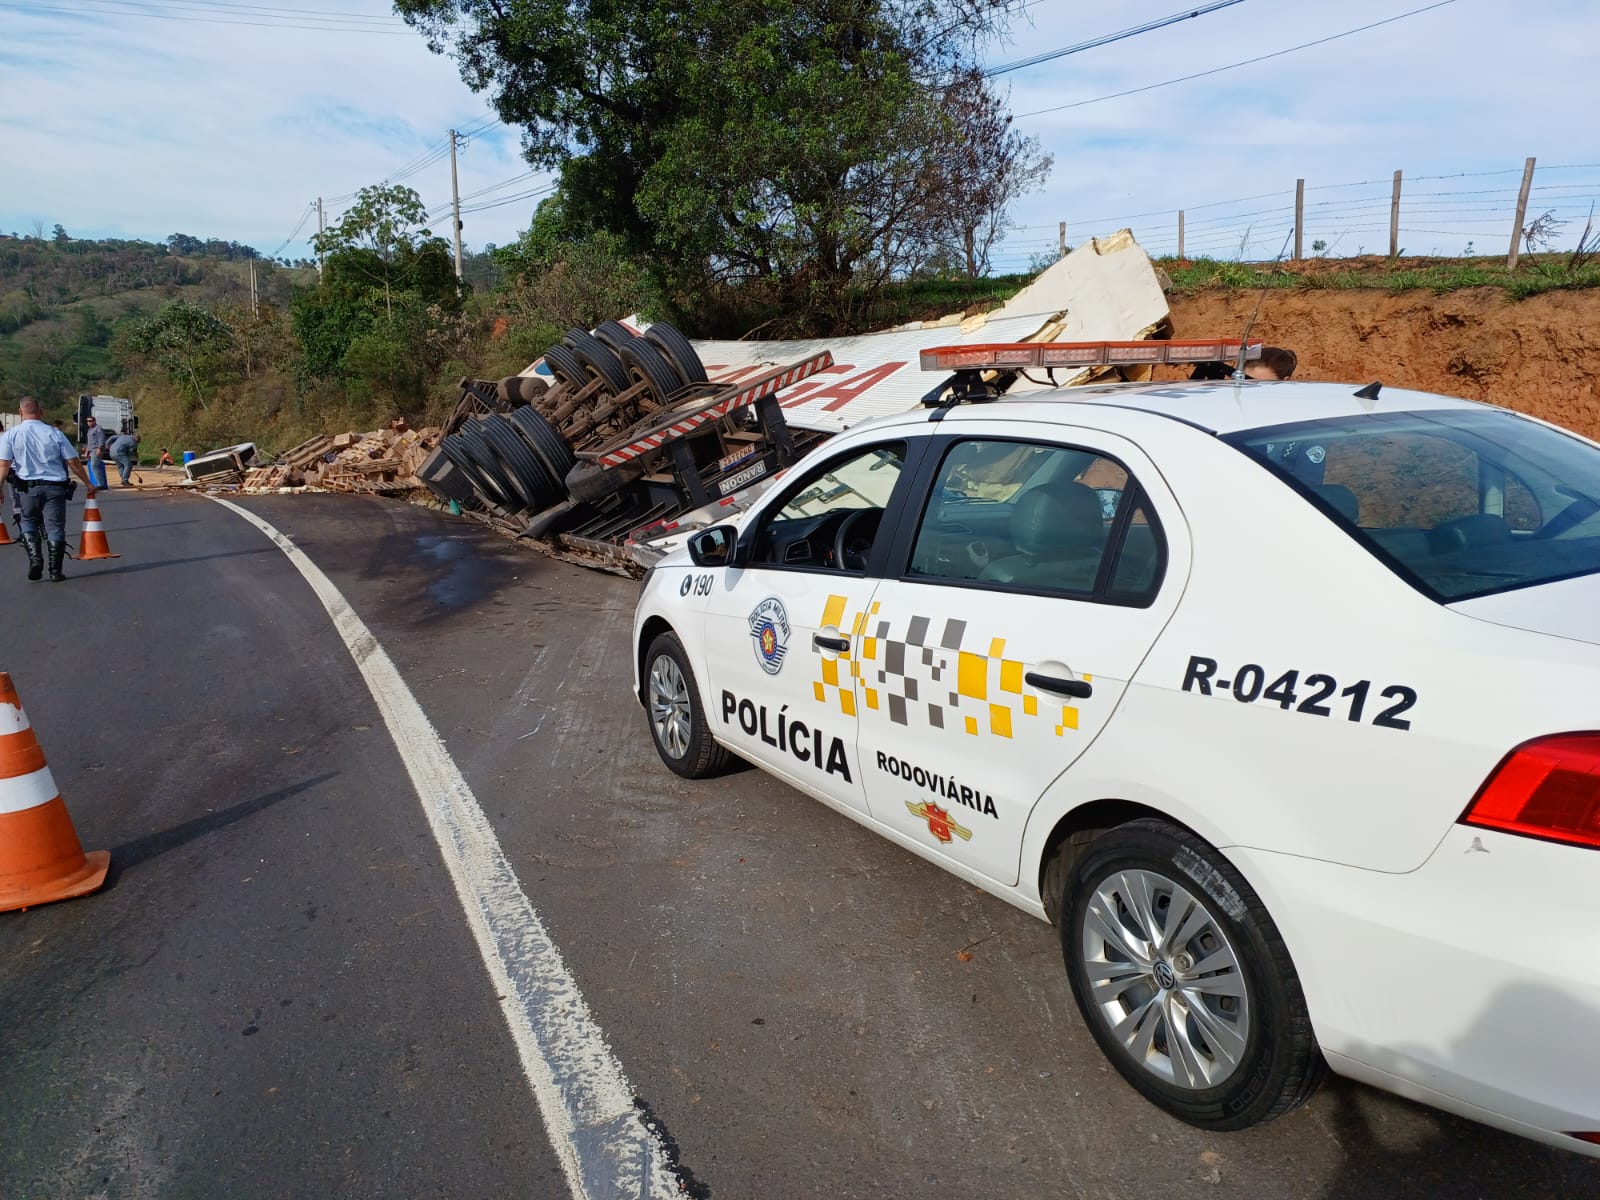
1540,355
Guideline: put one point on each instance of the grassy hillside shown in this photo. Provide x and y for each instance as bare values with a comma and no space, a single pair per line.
63,300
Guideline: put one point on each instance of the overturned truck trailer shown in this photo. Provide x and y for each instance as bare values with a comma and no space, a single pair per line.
616,438
622,432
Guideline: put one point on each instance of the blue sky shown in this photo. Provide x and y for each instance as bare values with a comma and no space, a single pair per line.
114,123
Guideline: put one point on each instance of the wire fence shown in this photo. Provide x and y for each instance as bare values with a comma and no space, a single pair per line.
1340,220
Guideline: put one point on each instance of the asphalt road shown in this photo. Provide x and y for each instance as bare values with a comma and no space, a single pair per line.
278,994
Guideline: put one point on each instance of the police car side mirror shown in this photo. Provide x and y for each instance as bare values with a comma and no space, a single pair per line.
713,547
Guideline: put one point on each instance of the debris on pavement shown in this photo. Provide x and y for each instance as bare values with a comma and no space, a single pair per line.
384,461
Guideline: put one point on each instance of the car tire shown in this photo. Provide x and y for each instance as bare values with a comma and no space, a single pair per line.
1222,1048
678,724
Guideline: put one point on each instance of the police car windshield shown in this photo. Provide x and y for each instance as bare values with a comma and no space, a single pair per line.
1461,503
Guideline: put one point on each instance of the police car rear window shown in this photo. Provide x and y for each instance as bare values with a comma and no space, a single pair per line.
1461,503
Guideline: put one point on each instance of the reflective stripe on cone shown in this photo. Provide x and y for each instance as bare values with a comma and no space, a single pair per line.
92,543
41,858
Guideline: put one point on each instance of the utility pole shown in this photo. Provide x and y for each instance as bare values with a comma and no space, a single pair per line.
455,206
1522,213
319,230
255,309
1299,218
1061,241
1394,219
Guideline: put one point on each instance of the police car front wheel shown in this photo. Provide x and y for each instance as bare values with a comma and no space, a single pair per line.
677,719
1184,979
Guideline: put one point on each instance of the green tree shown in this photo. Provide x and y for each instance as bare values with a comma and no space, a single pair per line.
188,342
792,142
382,241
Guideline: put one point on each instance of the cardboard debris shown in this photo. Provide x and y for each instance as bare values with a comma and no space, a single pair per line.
383,461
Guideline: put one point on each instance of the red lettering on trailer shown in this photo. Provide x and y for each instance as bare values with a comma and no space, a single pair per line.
803,391
847,390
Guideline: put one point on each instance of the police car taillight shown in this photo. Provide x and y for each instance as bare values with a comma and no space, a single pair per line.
1019,356
1548,788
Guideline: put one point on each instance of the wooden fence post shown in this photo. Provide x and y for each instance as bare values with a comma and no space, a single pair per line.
1394,219
1522,214
1299,217
1180,233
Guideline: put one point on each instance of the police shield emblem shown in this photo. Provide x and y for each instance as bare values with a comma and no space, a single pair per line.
769,631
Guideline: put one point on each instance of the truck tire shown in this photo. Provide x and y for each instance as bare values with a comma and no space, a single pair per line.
678,350
465,458
545,441
599,358
488,471
646,364
540,487
614,334
565,366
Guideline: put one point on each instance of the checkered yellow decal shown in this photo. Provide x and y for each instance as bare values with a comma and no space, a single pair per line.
912,676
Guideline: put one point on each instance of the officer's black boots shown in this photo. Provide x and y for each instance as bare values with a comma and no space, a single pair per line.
31,542
58,551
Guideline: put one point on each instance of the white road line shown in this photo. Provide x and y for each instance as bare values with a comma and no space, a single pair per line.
605,1147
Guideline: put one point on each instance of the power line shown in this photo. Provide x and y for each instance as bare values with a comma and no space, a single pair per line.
323,14
1107,39
528,195
422,164
305,215
1233,66
194,18
495,187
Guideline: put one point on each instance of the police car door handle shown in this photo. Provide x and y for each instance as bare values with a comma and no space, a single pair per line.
1066,687
830,643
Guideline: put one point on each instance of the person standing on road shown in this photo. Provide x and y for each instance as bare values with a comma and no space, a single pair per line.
95,446
125,448
36,459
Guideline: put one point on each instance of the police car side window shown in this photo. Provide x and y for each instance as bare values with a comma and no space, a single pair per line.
829,518
1031,517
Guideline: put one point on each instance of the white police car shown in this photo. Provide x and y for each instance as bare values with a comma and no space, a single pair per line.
1282,700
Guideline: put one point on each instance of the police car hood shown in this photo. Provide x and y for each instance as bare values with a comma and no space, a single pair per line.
1565,608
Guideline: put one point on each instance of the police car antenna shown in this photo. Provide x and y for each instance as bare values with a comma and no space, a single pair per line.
1238,369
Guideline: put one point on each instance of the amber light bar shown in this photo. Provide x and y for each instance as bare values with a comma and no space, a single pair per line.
1016,356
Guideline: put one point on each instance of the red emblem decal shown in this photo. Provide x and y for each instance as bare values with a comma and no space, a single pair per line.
940,822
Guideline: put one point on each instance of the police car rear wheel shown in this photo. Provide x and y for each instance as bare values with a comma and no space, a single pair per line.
1184,979
677,721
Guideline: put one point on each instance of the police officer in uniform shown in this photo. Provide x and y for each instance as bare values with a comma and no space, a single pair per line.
35,458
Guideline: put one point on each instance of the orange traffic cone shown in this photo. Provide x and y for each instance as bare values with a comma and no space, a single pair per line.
92,543
5,534
41,858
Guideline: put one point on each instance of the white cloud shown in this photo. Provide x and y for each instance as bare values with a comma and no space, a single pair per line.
116,124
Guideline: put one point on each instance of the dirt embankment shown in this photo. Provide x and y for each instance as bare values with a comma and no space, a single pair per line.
1540,355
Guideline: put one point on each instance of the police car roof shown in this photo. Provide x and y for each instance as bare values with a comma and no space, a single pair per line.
1223,407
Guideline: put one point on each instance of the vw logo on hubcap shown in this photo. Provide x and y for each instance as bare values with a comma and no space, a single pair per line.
1164,976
